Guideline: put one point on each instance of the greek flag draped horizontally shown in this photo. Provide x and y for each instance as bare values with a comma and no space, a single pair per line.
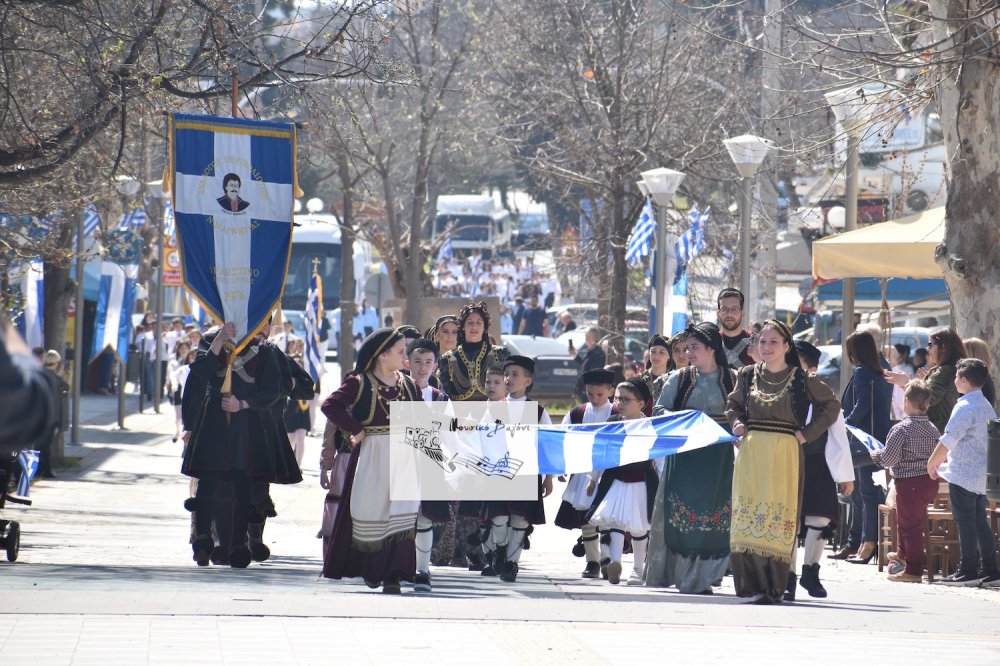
115,302
313,362
233,192
574,449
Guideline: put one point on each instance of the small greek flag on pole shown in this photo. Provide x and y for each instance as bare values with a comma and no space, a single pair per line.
640,242
28,460
314,310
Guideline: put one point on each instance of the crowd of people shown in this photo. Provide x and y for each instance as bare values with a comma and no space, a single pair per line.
687,519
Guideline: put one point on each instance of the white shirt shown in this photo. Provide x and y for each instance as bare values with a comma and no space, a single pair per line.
592,414
838,451
544,419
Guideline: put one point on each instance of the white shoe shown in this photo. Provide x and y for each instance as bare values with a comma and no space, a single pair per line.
634,579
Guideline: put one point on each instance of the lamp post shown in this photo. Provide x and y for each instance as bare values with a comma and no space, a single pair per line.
661,184
852,112
128,187
747,152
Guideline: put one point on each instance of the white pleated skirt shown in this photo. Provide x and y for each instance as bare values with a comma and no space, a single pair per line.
623,508
576,492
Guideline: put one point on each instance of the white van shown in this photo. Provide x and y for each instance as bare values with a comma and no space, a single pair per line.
480,224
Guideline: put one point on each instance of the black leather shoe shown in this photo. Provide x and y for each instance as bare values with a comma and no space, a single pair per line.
239,557
508,573
790,588
593,570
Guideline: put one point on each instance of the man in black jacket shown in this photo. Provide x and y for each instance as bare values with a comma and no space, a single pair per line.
26,410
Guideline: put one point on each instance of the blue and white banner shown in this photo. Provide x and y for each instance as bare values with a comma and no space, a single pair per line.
314,311
133,219
575,449
233,193
115,302
28,460
91,220
31,323
870,442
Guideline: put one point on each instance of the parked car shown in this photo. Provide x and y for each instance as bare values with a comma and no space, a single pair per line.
635,347
555,370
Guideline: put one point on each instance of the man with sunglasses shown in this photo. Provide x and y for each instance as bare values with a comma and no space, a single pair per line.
735,339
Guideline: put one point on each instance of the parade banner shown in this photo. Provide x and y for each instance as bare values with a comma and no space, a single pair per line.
574,449
115,303
233,184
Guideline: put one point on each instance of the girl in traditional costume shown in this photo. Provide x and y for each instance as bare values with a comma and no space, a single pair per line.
373,536
768,409
689,539
624,499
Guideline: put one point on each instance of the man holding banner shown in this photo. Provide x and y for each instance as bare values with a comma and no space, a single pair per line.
234,252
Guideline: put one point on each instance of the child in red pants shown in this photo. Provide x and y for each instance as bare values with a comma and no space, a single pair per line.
907,448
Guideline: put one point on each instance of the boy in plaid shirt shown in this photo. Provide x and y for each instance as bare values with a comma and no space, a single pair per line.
964,445
908,447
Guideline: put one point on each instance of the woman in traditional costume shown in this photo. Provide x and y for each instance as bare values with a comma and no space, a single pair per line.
658,351
462,375
373,535
768,409
689,539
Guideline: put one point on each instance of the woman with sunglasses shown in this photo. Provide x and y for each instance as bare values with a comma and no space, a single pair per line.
769,409
944,349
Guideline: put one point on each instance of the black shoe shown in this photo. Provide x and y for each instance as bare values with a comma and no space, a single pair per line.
422,582
959,579
790,588
391,586
202,548
990,580
220,557
373,584
239,557
526,539
508,573
604,567
593,570
259,552
475,562
810,581
488,568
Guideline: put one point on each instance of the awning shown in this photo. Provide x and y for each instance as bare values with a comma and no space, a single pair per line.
899,248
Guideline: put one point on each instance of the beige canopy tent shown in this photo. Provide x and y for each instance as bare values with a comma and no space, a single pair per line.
900,248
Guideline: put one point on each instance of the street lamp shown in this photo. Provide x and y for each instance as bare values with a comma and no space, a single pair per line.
852,111
660,184
747,152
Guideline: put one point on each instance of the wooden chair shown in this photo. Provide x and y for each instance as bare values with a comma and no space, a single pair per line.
887,538
941,548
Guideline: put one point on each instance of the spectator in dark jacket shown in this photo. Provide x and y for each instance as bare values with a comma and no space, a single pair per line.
590,357
25,397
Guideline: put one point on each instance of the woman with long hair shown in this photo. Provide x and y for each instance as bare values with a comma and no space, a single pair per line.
977,348
689,539
658,352
867,402
768,408
944,350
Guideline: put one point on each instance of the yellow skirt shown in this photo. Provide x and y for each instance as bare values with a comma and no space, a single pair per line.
766,496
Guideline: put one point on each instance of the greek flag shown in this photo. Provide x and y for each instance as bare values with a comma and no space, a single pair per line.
575,449
31,322
28,460
693,240
870,442
169,223
446,252
233,192
115,301
91,220
133,219
640,242
314,299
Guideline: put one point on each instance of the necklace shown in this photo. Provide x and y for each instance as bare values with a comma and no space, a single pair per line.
385,393
472,371
780,382
770,398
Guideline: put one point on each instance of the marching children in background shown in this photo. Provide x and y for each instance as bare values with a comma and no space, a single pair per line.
422,356
509,521
177,374
907,449
576,500
624,499
960,459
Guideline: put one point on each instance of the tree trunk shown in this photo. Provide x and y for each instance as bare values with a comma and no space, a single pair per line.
57,293
345,341
970,116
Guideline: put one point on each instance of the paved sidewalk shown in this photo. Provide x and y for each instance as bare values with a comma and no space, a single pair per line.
105,575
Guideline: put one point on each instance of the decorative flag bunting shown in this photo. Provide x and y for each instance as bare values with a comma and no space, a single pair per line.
233,192
314,299
115,302
640,243
576,449
31,322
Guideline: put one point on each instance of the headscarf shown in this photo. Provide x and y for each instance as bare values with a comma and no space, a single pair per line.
791,356
480,309
376,343
708,333
659,341
431,332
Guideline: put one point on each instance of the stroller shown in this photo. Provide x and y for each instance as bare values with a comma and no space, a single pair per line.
10,530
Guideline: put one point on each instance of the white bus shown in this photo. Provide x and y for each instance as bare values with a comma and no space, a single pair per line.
480,224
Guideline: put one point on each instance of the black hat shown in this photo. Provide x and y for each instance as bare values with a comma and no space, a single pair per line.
598,376
422,344
658,341
809,351
520,361
375,344
639,387
409,332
